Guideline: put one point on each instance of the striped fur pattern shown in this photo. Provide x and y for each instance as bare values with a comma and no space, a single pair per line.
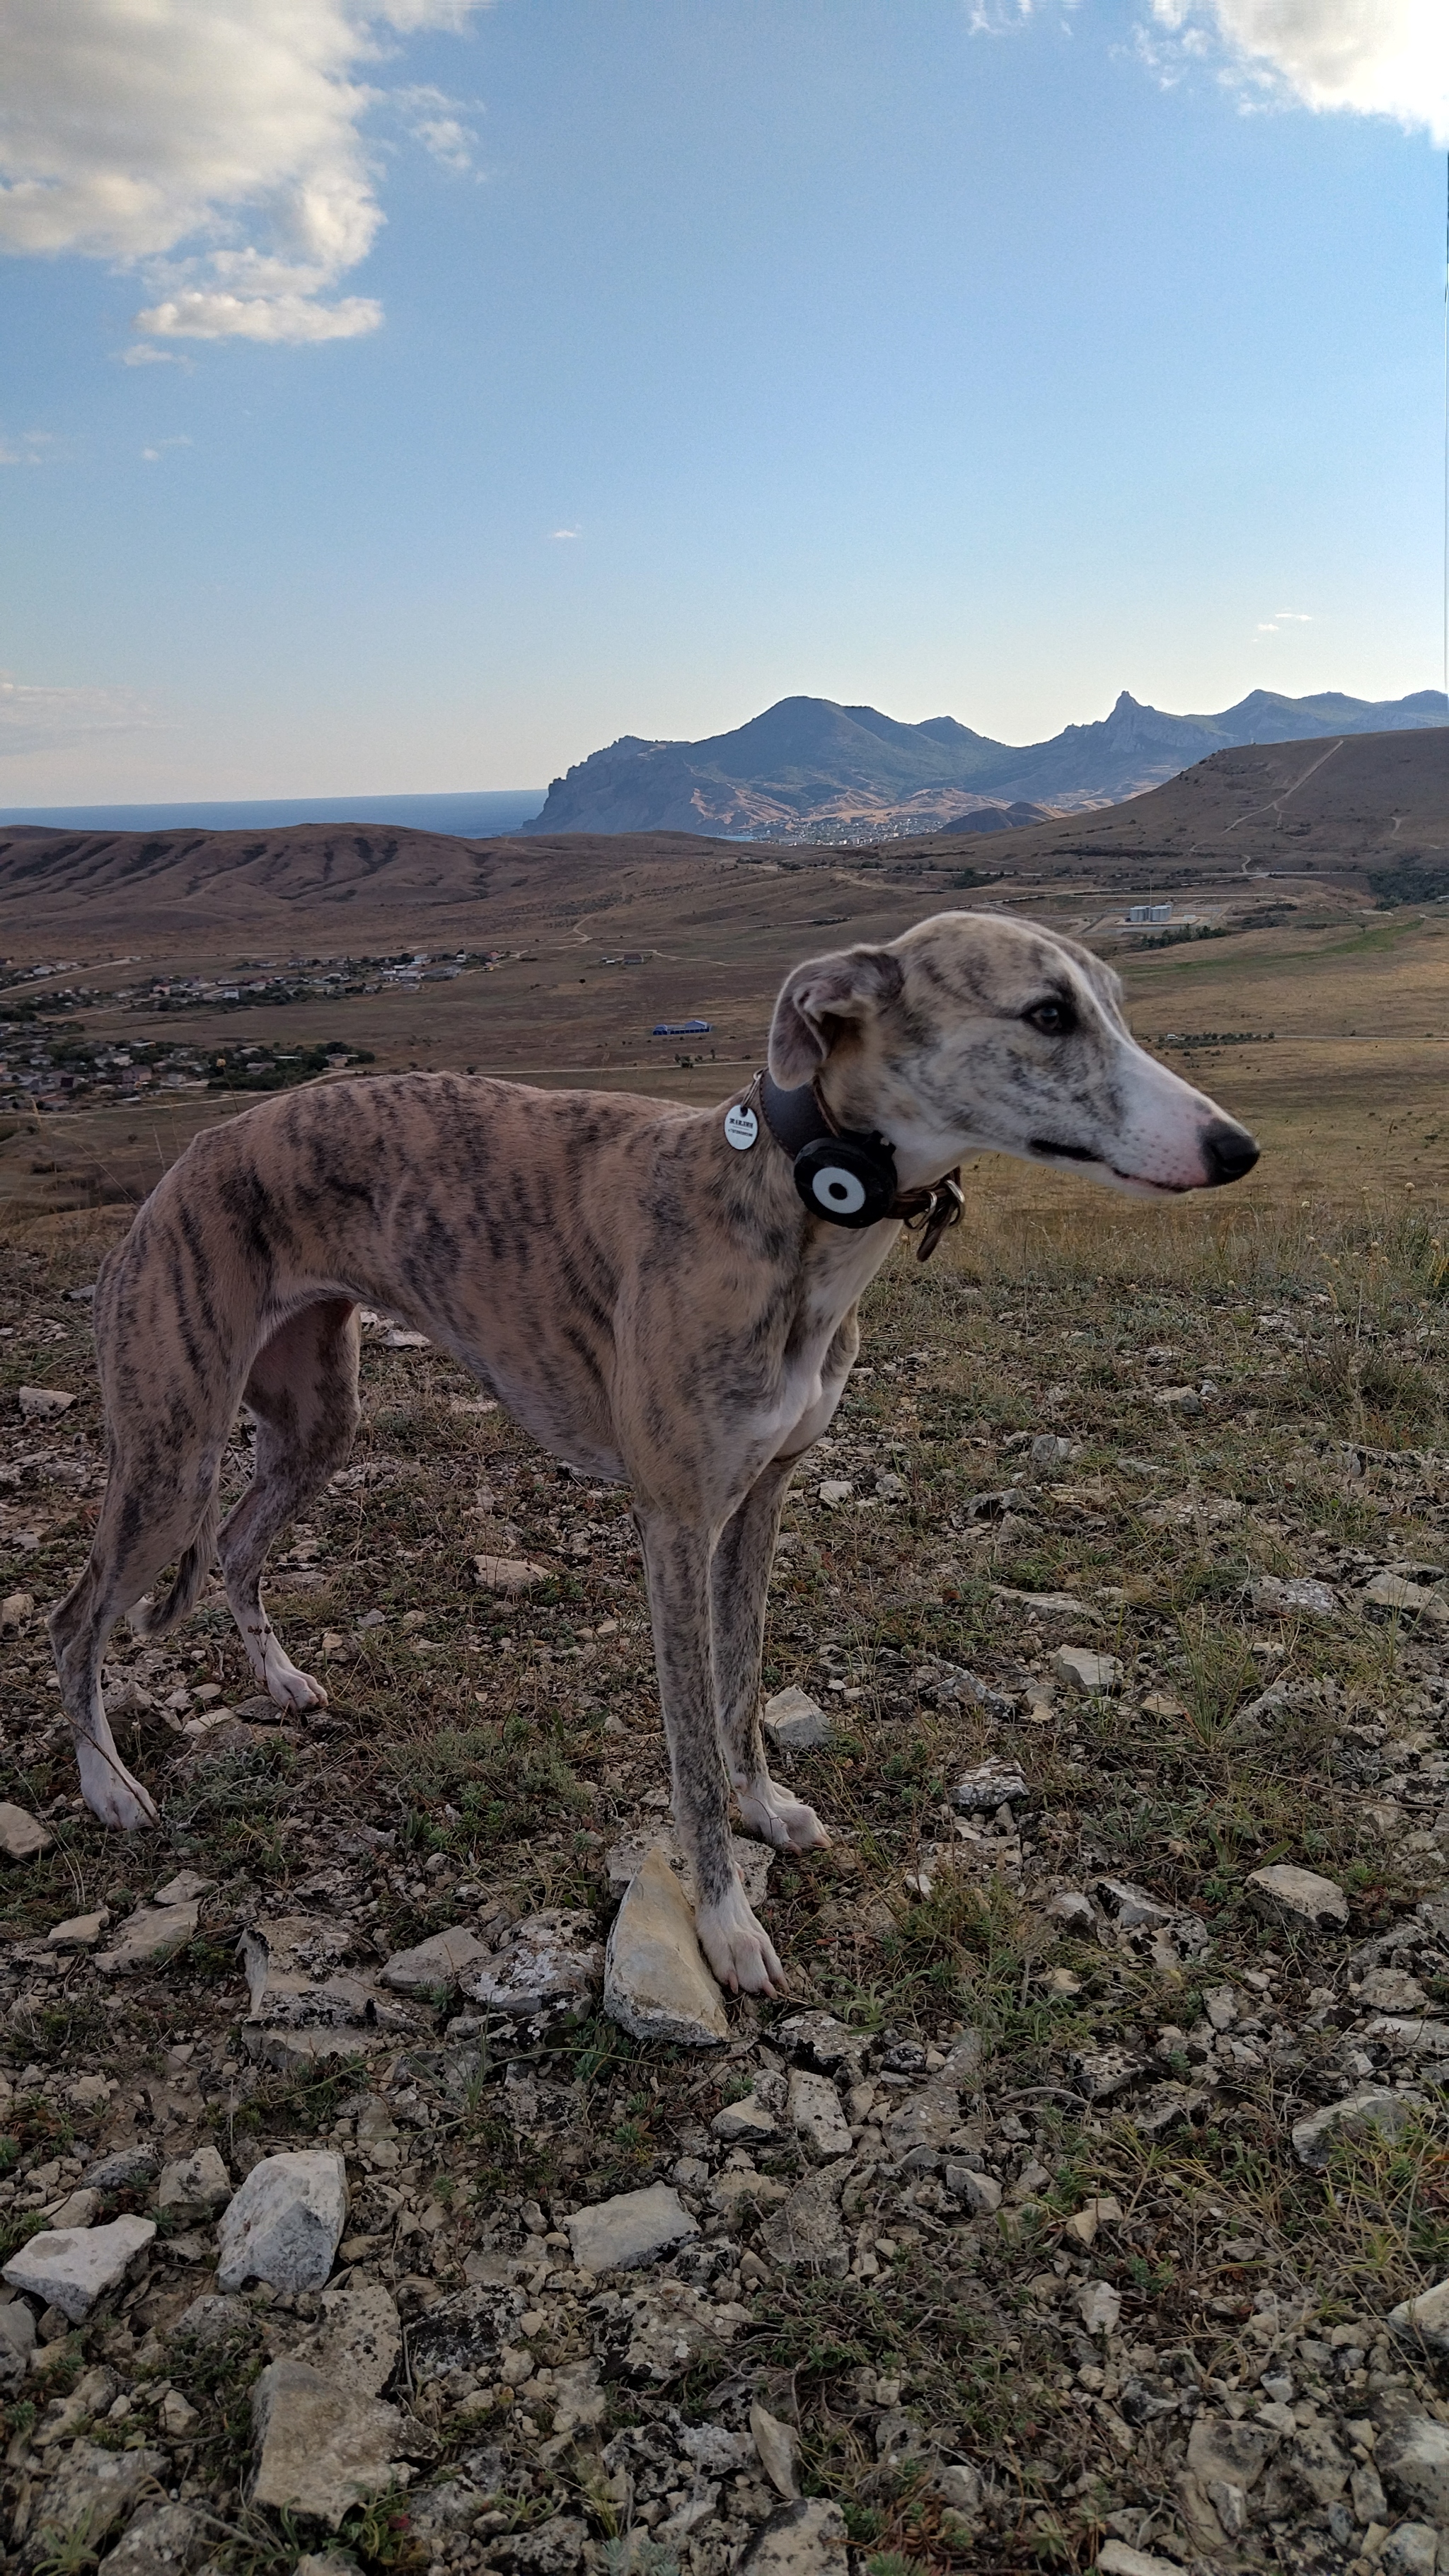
653,1306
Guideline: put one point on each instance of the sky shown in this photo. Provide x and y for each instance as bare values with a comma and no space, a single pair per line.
414,395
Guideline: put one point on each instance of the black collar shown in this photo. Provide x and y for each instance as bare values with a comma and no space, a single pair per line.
796,1118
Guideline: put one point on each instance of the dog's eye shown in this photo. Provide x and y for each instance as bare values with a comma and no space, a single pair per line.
1054,1019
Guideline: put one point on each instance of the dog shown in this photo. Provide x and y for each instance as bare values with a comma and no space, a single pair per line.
662,1296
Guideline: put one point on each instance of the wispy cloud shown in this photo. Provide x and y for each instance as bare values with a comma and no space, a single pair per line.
40,719
558,536
153,455
28,448
219,150
1361,57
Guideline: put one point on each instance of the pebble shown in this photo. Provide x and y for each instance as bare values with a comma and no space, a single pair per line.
94,2489
195,2186
1425,2318
1299,1898
1099,2306
794,1722
1412,2458
186,1888
1300,1594
71,2267
978,2192
548,1962
22,1837
747,2120
15,1609
805,2539
284,2225
656,1981
434,1964
805,2234
636,2227
776,2447
319,2450
994,1783
1096,1676
509,1574
357,2343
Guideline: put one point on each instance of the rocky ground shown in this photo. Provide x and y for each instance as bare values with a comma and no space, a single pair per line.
1070,2209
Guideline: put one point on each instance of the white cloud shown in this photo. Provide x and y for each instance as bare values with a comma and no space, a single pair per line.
438,127
153,455
1282,617
39,719
558,536
28,448
217,148
1369,57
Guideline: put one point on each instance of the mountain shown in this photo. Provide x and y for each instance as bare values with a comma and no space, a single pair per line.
809,770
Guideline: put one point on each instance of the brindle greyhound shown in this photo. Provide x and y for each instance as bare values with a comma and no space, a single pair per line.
651,1290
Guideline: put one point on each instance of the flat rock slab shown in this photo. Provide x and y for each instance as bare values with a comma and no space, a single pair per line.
815,2113
796,1723
163,2540
1115,2558
549,1963
1097,1676
509,1574
1414,1600
436,1964
285,2224
1298,1898
22,1836
806,2539
93,2491
319,2450
994,1783
186,1888
1412,2458
1299,1597
625,1859
150,1936
299,1978
79,1931
806,2233
357,2343
656,1983
618,2235
675,2327
72,2267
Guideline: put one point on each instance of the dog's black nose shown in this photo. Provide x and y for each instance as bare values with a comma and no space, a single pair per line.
1228,1152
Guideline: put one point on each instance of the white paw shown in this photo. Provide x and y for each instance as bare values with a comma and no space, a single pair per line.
771,1812
111,1794
738,1949
288,1687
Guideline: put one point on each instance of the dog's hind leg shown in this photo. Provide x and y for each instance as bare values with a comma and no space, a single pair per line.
138,1533
677,1564
303,1394
740,1581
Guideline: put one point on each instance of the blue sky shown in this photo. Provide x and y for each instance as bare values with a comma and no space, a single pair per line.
510,378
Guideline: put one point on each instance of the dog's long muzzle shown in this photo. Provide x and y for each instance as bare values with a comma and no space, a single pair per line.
1228,1152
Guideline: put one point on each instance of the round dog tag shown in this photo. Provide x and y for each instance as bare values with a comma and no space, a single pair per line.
836,1193
741,1127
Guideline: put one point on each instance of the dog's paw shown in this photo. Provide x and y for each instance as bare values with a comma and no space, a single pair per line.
739,1949
112,1795
771,1812
286,1685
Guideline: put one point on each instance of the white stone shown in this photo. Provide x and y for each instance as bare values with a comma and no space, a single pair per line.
284,2225
579,2400
1299,1898
805,2233
795,1722
747,2120
1099,2306
1412,1600
1097,1676
148,1937
79,2209
185,1888
71,2267
1114,2558
320,2451
509,1574
167,2539
21,1836
94,2489
1424,2319
805,2539
994,1783
356,2344
80,1932
550,1962
815,2114
194,2186
1412,2458
834,1492
656,1982
435,1964
44,1403
636,2227
1299,1596
1410,2550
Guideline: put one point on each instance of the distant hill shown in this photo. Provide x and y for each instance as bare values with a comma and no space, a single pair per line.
809,770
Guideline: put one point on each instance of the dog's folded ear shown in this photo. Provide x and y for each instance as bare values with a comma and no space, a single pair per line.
820,999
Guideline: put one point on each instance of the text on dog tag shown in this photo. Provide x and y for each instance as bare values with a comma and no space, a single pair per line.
741,1127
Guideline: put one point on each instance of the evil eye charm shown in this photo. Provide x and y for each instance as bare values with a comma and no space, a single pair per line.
846,1182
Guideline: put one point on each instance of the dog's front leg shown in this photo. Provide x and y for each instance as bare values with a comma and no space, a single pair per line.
677,1563
741,1579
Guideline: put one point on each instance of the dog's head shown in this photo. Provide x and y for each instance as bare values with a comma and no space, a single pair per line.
973,1031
